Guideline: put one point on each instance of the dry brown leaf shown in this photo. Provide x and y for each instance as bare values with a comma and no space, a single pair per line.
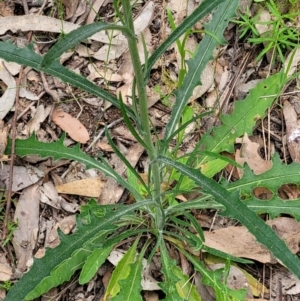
71,125
5,272
39,116
292,131
22,176
249,154
237,241
3,138
70,6
8,98
48,24
27,217
90,187
95,8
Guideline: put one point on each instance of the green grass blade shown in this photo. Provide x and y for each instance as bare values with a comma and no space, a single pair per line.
76,36
196,65
234,208
203,9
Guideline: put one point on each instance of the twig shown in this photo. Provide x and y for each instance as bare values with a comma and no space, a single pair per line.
25,6
12,154
102,132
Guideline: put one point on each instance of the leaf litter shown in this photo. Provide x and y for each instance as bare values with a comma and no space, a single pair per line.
55,205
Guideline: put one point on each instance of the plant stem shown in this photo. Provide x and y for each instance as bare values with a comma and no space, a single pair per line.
144,115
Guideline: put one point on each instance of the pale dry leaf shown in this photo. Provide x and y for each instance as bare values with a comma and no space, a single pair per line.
71,125
8,98
48,24
95,8
27,217
292,131
83,50
5,272
249,154
242,89
90,187
49,195
68,206
39,116
70,6
22,176
12,67
207,82
108,75
238,241
110,52
7,8
3,138
292,62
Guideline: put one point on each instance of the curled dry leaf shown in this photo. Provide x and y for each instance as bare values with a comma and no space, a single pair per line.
71,125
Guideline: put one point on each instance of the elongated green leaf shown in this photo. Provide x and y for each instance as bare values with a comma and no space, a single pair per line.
57,150
234,208
93,262
170,281
186,290
215,279
130,287
76,36
196,65
27,56
203,9
84,237
121,272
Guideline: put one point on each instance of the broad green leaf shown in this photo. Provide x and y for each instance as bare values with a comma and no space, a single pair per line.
38,279
215,279
93,263
243,118
170,280
76,36
121,272
196,65
57,150
203,9
236,209
185,289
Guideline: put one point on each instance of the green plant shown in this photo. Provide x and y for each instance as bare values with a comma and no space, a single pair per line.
7,285
153,218
280,36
